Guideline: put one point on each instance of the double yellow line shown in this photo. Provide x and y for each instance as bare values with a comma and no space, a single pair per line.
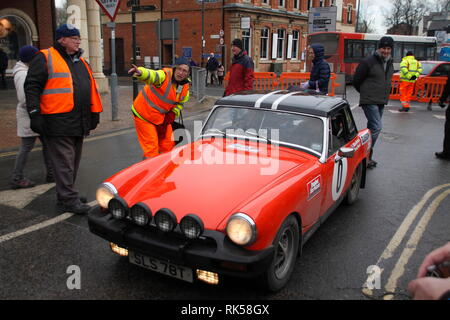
413,240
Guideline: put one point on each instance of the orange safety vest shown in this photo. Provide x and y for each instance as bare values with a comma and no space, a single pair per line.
153,102
57,96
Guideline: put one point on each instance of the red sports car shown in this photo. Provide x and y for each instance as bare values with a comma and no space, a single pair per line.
241,200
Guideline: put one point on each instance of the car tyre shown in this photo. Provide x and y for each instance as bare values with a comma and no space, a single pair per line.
286,246
353,190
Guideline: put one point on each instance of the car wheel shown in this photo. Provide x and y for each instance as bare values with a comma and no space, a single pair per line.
286,245
353,191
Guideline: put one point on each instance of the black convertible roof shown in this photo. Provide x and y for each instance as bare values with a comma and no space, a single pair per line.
298,101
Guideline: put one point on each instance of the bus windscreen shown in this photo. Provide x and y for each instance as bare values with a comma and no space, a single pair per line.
328,40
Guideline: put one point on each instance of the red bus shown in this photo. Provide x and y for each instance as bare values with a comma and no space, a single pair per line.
345,50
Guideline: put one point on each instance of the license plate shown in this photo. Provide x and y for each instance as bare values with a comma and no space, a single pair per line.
161,266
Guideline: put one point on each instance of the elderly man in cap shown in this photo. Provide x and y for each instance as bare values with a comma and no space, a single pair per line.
372,80
157,105
241,71
64,106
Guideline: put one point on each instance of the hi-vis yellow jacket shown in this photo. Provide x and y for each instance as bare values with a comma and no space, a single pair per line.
159,96
410,67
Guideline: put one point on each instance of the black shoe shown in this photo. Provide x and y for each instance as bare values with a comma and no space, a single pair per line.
403,109
442,155
80,208
49,178
372,164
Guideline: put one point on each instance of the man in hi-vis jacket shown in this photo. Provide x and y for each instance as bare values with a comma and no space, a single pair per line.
157,104
64,105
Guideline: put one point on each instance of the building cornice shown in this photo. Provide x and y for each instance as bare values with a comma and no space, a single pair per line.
263,10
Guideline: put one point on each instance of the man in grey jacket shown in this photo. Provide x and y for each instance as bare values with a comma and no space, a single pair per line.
372,80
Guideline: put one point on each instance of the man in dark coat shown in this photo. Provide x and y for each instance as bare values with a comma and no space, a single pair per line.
320,72
63,130
241,71
445,154
372,80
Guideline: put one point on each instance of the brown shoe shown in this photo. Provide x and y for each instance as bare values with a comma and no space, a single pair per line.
22,184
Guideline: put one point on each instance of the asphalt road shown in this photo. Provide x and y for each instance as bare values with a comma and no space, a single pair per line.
402,214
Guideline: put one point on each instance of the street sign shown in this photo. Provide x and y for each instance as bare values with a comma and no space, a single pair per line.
109,7
322,19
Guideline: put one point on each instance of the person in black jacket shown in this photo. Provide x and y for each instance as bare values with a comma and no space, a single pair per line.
320,72
372,80
445,154
63,107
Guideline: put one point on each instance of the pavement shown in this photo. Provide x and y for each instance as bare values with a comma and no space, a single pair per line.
10,142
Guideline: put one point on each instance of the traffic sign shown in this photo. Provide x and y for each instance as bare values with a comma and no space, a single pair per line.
109,7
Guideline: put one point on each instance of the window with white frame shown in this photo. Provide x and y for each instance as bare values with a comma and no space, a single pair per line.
265,1
281,3
349,14
281,43
246,36
297,4
310,4
264,47
293,42
321,3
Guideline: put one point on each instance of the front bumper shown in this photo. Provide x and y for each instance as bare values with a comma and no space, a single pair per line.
213,251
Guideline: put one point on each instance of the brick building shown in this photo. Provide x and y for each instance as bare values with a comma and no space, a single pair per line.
33,22
274,31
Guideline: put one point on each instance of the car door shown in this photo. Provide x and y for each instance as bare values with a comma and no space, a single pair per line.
337,172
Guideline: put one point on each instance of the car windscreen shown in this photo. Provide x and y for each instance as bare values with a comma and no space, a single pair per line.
288,129
427,67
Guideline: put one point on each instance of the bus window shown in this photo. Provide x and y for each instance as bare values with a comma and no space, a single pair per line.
357,50
398,52
420,53
369,48
328,40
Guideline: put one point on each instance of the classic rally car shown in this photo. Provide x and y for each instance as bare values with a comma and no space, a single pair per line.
242,199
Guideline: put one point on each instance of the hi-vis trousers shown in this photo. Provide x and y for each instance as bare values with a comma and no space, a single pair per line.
406,91
153,139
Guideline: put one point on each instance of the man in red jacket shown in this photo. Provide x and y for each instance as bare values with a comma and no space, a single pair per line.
241,71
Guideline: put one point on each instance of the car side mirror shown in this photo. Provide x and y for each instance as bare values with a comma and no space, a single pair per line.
344,153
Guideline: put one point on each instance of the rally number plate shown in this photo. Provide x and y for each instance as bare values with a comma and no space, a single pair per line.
161,266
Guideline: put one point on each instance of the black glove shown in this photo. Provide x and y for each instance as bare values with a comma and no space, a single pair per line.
37,121
413,78
441,104
95,119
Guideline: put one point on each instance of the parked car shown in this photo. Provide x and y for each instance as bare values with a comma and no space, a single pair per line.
435,68
266,170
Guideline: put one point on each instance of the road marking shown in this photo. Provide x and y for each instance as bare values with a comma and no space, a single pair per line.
89,139
20,198
411,245
439,117
402,230
39,226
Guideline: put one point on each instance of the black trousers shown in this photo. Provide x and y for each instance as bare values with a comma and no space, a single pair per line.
447,131
65,156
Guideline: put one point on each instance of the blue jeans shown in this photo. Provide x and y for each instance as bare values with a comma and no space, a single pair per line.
373,114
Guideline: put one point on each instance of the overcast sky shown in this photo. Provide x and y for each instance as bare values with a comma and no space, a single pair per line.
376,9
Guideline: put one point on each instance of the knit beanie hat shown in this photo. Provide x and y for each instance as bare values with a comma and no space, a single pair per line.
181,60
66,30
26,53
386,41
238,43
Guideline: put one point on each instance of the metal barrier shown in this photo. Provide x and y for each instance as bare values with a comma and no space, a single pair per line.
269,81
198,84
426,89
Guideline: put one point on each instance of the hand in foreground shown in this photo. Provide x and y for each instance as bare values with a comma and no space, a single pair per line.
134,71
428,288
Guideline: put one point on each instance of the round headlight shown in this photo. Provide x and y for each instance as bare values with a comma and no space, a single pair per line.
105,193
191,226
140,214
165,220
241,229
118,208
